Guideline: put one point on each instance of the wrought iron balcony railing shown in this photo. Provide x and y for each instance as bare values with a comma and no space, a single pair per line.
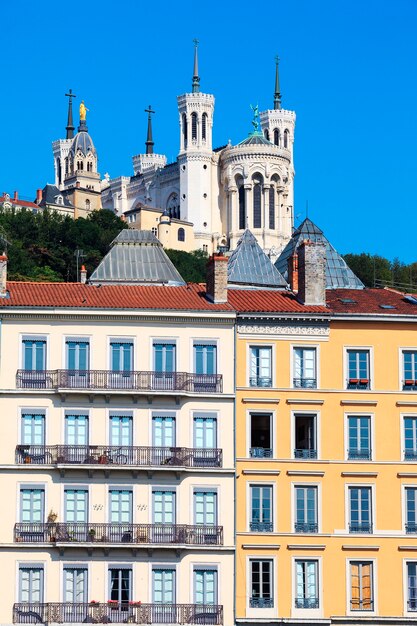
362,605
133,456
359,454
116,612
261,527
411,528
106,380
261,453
412,604
360,527
306,603
260,381
358,383
409,385
261,603
410,455
305,453
306,527
82,532
304,383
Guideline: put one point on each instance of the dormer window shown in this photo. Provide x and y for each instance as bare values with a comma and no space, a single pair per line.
59,200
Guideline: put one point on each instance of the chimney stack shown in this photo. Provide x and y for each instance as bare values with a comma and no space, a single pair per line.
312,273
38,196
78,184
216,288
293,271
15,195
3,275
83,275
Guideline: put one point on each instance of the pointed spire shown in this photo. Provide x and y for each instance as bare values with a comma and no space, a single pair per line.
70,124
149,143
196,78
277,93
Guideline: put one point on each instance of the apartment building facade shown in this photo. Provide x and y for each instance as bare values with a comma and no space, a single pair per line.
117,455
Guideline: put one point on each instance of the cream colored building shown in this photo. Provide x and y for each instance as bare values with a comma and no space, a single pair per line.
117,466
173,233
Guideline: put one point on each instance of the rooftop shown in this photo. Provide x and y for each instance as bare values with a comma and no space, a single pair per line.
249,265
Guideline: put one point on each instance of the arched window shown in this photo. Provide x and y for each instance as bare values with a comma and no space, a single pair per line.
184,129
276,137
87,205
286,135
204,126
58,170
266,133
193,125
242,208
66,165
257,216
173,207
89,166
272,207
181,234
59,200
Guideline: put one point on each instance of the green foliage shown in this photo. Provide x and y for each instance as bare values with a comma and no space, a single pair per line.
41,246
374,270
191,265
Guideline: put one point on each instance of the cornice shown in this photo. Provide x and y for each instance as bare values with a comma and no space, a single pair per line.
218,318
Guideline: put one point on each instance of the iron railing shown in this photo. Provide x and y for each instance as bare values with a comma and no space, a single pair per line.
261,453
409,385
411,528
410,455
261,527
119,455
261,603
358,383
362,605
306,527
305,453
116,612
304,383
306,603
82,532
129,381
359,454
260,381
360,527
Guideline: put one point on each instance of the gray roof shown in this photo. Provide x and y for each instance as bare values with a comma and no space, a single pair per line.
338,274
255,139
249,265
50,195
82,141
136,257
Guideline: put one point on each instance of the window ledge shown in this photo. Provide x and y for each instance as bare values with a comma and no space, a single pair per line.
306,546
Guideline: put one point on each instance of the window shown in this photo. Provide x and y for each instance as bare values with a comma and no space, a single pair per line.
33,428
205,358
154,230
272,208
306,584
412,586
120,584
163,506
266,134
410,370
163,430
242,208
32,505
204,126
76,505
75,584
121,355
205,588
163,593
358,369
410,510
34,354
181,234
77,357
185,129
31,584
410,438
305,436
120,506
261,508
260,435
164,356
286,138
261,592
205,507
257,204
87,205
260,368
306,518
359,437
305,376
205,431
121,431
276,137
360,510
194,126
76,429
361,586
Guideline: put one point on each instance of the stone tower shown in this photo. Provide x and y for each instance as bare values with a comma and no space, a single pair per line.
195,158
61,147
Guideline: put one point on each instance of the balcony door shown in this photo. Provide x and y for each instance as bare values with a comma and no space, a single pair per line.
76,438
163,596
31,585
164,365
32,506
78,362
120,584
34,354
164,514
121,363
121,513
75,585
121,438
163,440
76,507
205,587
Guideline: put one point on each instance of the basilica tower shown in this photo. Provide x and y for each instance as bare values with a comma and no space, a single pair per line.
195,159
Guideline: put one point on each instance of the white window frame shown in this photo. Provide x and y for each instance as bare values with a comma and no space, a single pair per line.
272,423
404,488
403,416
349,586
295,346
401,374
370,350
262,613
254,344
306,613
306,483
318,434
373,509
371,417
274,500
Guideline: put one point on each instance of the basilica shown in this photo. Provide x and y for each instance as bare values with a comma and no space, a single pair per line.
210,195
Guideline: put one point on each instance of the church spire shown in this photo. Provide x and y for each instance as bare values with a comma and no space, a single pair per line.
70,124
149,143
277,93
196,78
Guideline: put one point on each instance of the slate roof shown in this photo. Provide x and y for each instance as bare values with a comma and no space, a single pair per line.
82,141
136,257
249,265
338,274
50,194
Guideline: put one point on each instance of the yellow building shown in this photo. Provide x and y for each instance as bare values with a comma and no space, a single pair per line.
326,451
173,233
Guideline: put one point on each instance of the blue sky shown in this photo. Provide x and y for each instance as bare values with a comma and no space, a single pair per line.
348,69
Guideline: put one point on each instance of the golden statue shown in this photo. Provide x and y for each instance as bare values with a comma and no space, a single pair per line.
83,111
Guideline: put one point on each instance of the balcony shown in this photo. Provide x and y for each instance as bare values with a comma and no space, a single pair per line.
360,527
129,456
306,527
305,453
260,381
304,383
261,603
260,453
106,380
261,527
118,533
359,454
306,603
106,613
358,383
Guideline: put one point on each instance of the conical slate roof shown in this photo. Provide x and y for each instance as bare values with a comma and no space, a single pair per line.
338,274
136,257
249,265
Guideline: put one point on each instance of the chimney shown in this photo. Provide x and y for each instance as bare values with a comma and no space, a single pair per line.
38,196
216,289
78,184
3,275
293,271
312,273
15,195
83,275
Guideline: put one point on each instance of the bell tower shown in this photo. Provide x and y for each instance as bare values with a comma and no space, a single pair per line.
195,158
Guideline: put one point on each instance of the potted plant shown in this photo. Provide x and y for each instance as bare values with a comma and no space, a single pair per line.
135,602
113,604
52,517
91,534
93,602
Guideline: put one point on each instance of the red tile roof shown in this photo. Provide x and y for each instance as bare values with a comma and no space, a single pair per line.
79,296
369,301
268,301
19,202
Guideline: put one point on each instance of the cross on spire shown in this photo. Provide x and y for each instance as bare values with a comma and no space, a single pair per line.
70,124
196,78
149,143
277,93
